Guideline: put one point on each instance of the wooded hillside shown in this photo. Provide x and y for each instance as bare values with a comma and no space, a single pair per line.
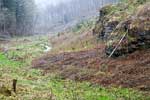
16,17
24,17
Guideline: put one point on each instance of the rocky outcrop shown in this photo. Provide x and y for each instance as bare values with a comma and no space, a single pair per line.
135,26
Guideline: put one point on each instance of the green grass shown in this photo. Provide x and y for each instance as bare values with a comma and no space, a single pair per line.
84,25
33,85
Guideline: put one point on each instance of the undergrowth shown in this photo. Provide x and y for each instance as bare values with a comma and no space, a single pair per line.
33,85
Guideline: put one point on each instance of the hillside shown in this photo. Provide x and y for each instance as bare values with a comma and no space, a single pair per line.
92,64
58,17
100,58
59,80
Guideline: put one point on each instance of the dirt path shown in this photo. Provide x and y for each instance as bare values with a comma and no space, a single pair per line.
91,65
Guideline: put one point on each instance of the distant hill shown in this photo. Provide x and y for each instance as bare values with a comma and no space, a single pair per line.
64,13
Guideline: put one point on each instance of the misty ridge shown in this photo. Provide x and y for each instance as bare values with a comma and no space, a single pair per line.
25,17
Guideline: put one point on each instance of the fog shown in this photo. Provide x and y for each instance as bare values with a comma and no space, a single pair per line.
23,17
57,14
45,3
54,2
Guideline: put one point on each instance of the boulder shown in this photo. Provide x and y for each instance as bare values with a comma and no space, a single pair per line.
137,28
110,17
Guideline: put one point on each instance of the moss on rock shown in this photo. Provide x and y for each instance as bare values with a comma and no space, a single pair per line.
130,18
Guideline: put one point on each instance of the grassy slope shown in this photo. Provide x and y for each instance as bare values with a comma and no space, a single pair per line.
33,85
78,38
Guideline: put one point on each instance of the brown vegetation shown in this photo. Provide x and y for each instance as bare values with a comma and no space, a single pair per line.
90,65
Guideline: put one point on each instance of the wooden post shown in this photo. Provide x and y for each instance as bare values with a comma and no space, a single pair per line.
14,85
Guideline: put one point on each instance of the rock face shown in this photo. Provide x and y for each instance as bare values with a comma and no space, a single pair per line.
113,26
105,25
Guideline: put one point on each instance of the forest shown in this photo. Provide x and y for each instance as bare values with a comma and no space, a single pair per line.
23,17
17,16
74,49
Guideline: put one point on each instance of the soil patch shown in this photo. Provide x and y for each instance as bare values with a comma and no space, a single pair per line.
130,71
